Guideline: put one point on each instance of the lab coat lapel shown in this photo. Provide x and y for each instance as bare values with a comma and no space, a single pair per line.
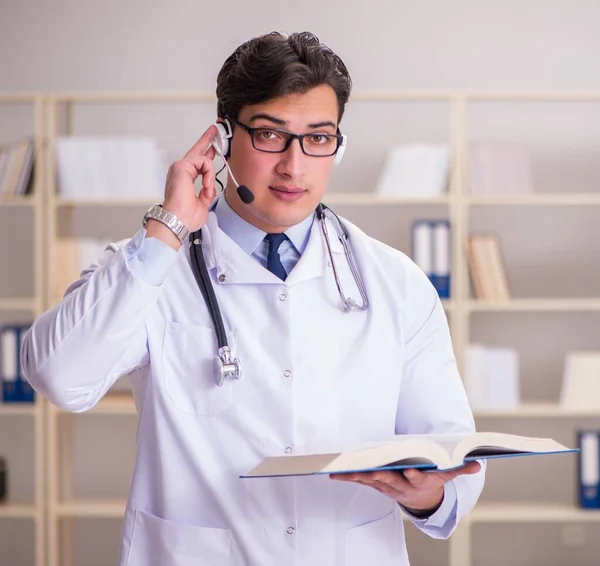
232,264
315,259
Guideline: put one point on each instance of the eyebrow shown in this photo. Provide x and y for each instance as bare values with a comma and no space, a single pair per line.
280,122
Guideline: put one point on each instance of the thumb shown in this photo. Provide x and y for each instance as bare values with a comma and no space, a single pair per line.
415,477
207,195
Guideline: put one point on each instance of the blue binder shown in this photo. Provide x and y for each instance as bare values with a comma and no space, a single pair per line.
15,389
588,469
431,252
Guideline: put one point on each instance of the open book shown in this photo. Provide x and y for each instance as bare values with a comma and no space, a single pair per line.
424,451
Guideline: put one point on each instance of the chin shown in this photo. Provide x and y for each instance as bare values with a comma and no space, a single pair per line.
289,217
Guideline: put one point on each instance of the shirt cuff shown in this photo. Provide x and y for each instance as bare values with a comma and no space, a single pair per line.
443,512
149,259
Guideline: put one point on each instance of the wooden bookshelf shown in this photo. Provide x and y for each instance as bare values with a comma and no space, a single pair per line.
54,502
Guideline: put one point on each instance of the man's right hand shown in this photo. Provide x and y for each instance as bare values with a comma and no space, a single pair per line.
180,195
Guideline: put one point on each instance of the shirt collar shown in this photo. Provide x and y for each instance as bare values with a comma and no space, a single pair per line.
248,237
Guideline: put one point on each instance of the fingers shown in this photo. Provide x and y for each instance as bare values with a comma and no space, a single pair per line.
393,480
468,469
202,146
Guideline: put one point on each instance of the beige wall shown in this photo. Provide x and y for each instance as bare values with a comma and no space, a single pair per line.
470,44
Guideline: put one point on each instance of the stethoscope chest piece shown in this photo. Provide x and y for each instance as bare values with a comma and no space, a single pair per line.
227,367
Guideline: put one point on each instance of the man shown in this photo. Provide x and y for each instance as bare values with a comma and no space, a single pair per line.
313,374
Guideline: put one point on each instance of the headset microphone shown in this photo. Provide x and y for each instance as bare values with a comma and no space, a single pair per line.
246,195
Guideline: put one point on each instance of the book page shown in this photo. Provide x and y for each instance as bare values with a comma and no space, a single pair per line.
495,443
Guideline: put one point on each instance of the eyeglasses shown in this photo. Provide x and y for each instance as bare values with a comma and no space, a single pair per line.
273,140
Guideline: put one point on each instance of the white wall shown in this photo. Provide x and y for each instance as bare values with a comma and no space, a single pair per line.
430,44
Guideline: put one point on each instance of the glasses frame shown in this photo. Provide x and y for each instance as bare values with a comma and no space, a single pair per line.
291,137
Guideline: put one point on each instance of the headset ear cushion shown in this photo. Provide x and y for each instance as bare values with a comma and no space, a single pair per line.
340,151
222,139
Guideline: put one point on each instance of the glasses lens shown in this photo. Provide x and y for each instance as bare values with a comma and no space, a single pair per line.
320,145
269,140
275,141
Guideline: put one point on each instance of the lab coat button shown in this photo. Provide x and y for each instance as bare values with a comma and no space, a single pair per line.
282,297
222,277
142,256
290,530
289,450
287,373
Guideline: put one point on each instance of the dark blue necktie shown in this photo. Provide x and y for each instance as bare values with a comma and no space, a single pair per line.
274,264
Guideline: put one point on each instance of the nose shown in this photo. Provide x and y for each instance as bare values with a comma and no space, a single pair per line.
292,161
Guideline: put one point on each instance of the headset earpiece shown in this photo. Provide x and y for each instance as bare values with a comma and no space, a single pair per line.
221,139
340,151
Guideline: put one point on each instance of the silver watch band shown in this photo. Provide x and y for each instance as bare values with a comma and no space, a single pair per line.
157,212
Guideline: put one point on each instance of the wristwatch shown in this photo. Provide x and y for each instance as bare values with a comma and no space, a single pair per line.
157,212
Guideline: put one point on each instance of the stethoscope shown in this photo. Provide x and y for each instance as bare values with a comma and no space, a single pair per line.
229,367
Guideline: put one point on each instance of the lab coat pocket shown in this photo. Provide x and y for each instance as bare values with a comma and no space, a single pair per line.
190,369
376,542
158,542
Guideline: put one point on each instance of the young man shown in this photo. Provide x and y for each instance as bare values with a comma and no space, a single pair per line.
313,374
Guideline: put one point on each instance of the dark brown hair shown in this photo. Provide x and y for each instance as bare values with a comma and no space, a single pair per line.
272,65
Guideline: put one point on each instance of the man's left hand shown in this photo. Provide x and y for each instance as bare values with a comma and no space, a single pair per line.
421,493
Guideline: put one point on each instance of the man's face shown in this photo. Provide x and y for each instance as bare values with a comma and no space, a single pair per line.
287,186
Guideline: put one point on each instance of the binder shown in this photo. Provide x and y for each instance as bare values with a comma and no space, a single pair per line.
15,389
441,258
9,372
431,252
589,469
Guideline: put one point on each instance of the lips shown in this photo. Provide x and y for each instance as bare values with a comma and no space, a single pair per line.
287,194
291,190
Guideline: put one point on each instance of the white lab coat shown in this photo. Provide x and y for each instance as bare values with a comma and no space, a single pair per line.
312,375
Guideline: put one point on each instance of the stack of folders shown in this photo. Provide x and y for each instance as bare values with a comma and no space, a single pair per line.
589,469
15,389
486,266
107,168
431,252
415,170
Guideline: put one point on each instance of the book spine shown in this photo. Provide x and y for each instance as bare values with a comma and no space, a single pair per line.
589,469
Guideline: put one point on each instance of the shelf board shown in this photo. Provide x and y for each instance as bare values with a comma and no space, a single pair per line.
18,510
531,513
378,200
101,508
539,305
560,199
17,304
18,201
552,410
106,203
20,409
